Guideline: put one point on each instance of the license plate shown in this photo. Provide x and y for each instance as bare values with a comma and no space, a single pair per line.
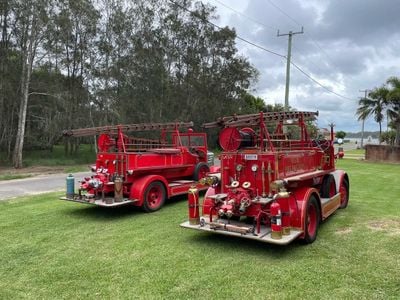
250,156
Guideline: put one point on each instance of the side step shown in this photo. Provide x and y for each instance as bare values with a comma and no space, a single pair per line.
263,236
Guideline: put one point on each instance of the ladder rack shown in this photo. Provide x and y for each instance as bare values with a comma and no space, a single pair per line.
113,130
254,119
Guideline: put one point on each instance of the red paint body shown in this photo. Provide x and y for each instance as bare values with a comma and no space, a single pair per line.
274,165
154,168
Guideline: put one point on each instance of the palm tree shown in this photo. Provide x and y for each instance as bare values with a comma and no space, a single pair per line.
374,106
393,110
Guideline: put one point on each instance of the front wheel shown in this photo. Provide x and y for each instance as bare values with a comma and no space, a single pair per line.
154,196
312,220
200,171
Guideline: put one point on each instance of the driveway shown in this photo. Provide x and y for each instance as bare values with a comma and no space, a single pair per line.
36,185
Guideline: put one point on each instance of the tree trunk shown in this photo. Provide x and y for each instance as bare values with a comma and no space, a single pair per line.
380,132
398,133
27,65
19,143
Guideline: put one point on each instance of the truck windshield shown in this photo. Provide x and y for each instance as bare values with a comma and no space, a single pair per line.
192,141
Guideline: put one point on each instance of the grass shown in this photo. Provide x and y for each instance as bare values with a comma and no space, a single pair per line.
54,158
355,151
55,249
57,157
10,176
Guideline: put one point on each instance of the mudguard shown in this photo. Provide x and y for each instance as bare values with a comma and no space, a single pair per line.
139,186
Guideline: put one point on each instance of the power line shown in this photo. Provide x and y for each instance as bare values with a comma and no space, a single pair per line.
294,20
296,66
243,15
272,28
264,49
320,84
219,27
283,12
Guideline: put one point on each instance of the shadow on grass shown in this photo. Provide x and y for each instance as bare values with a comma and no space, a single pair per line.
101,213
104,213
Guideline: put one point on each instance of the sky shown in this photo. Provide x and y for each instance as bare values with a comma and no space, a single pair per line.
347,46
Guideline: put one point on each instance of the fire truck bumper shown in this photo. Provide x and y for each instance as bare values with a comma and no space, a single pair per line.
235,228
107,202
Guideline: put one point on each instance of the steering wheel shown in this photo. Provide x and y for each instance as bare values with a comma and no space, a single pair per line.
322,144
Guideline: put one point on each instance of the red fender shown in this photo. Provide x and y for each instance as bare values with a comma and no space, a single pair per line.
139,186
302,195
339,176
215,169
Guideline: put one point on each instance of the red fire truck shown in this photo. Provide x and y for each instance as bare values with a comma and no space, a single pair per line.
275,183
141,171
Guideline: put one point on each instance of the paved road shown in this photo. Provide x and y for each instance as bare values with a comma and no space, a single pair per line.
36,185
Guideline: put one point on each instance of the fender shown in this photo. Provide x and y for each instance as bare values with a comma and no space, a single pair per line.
339,176
302,195
139,186
215,169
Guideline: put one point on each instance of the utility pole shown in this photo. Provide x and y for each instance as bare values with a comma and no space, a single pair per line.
363,120
290,34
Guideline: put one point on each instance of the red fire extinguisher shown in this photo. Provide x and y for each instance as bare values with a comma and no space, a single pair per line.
193,201
276,221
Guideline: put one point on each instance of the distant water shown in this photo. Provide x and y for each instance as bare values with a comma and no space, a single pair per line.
367,140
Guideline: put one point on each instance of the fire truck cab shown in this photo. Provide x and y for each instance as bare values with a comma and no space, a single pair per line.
275,183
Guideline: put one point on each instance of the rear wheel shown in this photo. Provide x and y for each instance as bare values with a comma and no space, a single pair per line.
200,171
154,196
344,193
328,188
312,220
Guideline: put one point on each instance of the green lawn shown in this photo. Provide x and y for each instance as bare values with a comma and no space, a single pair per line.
59,250
355,151
55,158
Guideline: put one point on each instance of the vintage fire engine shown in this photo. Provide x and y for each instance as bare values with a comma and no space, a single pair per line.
275,184
141,171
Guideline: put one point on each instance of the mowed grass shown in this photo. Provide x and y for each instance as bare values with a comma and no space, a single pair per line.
52,249
55,158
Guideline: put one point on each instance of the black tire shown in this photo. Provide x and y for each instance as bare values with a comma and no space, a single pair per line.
312,220
154,196
328,188
200,170
344,193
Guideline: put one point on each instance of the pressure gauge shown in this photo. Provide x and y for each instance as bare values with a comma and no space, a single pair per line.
239,167
254,168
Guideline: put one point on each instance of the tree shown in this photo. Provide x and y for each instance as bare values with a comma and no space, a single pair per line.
95,62
340,134
31,21
393,110
389,137
373,106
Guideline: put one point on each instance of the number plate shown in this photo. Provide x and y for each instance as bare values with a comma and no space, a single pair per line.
250,156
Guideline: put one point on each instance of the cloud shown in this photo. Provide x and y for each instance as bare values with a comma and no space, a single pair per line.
347,46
